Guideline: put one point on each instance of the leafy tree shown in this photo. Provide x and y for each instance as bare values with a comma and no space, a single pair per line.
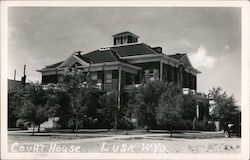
127,112
34,114
147,100
108,110
74,84
94,108
15,100
33,108
189,107
81,105
170,105
224,109
61,100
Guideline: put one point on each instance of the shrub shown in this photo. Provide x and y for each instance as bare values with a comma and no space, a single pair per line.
211,126
21,123
201,126
183,125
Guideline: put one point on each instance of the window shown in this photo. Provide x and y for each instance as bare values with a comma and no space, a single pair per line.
129,39
108,77
123,79
99,81
118,40
93,76
132,79
125,40
151,74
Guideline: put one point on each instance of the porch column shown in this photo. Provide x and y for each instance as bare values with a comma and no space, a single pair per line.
103,76
119,88
178,77
197,111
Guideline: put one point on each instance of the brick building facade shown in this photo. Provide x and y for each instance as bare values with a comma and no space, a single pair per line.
128,63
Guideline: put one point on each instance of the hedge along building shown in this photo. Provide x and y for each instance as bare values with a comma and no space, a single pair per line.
129,63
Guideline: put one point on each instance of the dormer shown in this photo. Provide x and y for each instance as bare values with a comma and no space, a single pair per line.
125,38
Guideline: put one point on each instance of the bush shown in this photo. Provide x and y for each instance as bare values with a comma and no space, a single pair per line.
180,125
125,123
183,125
201,126
211,126
21,123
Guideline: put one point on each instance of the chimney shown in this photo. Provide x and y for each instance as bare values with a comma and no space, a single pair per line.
14,75
157,49
24,76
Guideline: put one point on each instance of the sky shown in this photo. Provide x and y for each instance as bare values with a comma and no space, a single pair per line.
210,36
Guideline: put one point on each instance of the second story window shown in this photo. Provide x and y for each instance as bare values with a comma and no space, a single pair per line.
108,77
151,74
93,76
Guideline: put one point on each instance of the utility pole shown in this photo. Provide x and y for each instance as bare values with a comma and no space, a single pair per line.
14,75
24,69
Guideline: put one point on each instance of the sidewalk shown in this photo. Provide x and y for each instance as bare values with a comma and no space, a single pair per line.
108,136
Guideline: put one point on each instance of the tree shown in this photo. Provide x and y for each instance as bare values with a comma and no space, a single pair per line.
34,114
33,108
170,105
147,100
224,109
108,110
76,85
189,107
61,101
15,100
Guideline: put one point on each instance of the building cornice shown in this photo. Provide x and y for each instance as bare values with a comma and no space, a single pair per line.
111,66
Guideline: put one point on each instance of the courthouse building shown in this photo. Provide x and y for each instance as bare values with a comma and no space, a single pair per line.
129,63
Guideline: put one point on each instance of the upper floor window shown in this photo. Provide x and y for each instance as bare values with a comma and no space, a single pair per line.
151,74
108,77
93,76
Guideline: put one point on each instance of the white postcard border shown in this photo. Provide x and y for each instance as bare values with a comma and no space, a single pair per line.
244,78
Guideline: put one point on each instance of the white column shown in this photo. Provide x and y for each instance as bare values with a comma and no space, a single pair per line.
119,88
197,111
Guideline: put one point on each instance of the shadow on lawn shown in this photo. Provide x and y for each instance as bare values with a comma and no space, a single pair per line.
79,131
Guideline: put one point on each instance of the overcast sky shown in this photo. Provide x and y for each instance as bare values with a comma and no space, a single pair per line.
211,37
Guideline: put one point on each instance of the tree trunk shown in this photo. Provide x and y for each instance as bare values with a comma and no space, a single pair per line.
194,122
148,124
171,130
76,129
33,133
38,129
76,124
116,128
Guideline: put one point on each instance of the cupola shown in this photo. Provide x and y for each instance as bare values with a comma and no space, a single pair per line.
125,38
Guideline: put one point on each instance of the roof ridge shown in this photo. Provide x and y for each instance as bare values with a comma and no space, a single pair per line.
113,55
150,48
125,32
54,64
121,45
